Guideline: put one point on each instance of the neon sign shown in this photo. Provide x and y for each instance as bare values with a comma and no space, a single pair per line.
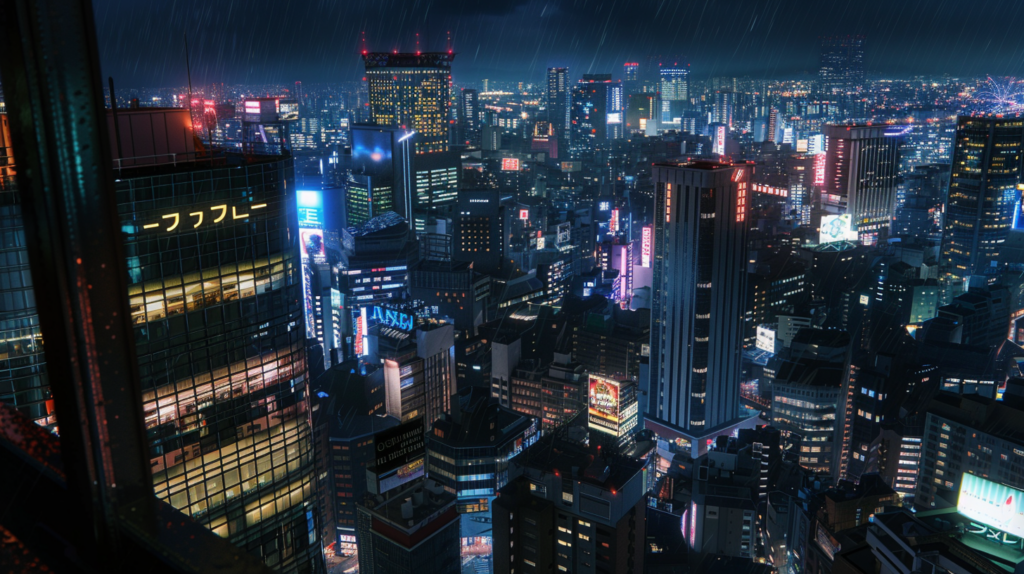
645,246
173,220
393,318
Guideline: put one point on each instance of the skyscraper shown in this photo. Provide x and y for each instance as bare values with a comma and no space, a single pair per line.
469,118
674,91
558,95
861,171
698,297
412,91
631,77
842,63
980,206
597,111
220,338
725,107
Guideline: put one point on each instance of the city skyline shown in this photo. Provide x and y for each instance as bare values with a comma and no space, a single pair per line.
512,39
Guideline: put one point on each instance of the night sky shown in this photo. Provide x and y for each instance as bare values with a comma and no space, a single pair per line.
264,41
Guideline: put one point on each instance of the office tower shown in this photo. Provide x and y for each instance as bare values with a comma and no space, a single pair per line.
982,197
805,395
773,125
413,531
479,230
641,113
613,345
631,77
436,183
842,64
418,364
597,112
412,92
973,437
675,91
220,341
351,412
471,453
724,108
861,173
572,510
26,387
469,118
557,101
699,291
380,179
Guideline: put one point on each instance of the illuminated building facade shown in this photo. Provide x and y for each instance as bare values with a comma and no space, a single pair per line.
557,100
982,202
675,91
861,175
412,91
724,108
419,369
698,295
641,113
216,301
469,118
23,376
842,64
969,434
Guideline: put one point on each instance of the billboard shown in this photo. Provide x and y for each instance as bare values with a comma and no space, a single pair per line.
288,110
509,164
311,208
719,143
765,338
398,455
836,228
524,214
393,318
603,404
992,504
613,223
646,239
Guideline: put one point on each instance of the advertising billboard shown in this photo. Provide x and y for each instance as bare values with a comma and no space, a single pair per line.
371,151
991,504
646,237
312,244
509,164
393,318
765,339
613,223
524,214
288,110
398,454
603,404
719,143
836,228
311,208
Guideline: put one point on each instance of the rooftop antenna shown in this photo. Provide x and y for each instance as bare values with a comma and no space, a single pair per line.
449,43
417,43
364,42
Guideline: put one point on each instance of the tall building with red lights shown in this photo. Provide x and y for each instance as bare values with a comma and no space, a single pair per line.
412,91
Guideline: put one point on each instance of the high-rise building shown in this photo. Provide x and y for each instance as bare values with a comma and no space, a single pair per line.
698,296
842,63
381,178
557,102
412,92
469,117
675,91
597,112
861,173
724,108
574,509
479,235
221,342
982,198
641,113
419,367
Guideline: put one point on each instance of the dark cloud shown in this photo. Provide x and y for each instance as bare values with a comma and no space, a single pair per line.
255,41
